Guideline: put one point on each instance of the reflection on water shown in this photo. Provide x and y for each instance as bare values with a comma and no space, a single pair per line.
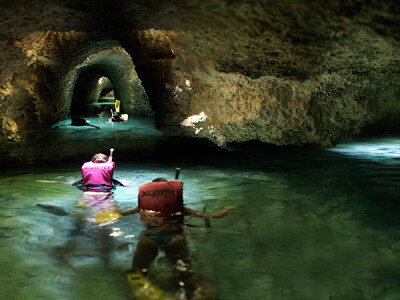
134,125
383,149
137,133
313,224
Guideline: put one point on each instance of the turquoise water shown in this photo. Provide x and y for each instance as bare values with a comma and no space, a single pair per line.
136,134
313,223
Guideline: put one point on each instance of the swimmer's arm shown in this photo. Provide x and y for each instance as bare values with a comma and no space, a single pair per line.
76,182
128,212
55,181
110,156
221,213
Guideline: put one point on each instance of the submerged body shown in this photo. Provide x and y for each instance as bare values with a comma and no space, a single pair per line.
306,211
97,182
160,204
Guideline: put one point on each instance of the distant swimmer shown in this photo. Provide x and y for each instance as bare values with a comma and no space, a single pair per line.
116,117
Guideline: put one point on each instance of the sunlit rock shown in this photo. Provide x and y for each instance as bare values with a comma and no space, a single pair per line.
281,72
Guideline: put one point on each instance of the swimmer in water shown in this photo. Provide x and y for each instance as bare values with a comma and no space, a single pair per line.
97,183
160,204
97,174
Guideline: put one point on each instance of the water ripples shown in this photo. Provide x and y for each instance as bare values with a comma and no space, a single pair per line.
311,223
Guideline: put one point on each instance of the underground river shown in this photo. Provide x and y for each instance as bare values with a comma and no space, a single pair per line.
312,223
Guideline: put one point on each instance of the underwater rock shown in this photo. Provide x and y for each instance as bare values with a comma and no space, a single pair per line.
55,210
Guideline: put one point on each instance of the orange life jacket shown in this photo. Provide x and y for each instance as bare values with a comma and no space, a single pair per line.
161,199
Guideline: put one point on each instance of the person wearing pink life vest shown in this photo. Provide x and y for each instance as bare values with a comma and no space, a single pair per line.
97,174
97,183
161,208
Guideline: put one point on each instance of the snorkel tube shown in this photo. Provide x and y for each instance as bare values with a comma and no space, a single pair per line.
110,156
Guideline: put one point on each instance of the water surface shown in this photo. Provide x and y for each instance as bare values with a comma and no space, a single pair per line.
313,223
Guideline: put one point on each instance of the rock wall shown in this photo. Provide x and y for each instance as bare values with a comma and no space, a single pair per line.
287,72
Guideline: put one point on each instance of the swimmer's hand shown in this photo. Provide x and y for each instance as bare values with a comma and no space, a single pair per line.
230,207
219,214
224,211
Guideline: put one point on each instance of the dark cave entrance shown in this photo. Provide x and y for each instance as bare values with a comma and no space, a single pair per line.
94,95
95,91
96,78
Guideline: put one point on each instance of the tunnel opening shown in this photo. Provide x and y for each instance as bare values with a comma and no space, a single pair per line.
97,76
95,98
94,95
96,79
93,105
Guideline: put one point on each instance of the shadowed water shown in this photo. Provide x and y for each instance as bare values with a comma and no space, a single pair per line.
313,223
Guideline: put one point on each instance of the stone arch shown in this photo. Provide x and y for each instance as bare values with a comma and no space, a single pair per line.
89,86
108,59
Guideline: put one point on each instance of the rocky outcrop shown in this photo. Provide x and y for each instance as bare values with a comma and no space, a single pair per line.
280,72
287,72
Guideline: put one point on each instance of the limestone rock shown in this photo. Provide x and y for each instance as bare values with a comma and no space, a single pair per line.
282,72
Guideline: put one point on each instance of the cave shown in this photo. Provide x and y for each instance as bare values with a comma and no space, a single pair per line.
285,113
313,77
101,90
93,94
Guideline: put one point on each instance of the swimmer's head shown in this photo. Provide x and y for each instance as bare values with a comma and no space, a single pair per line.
99,158
159,180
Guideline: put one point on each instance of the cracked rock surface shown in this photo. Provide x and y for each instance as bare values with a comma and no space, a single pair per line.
286,73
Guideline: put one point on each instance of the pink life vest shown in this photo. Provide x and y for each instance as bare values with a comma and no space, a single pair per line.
97,176
161,199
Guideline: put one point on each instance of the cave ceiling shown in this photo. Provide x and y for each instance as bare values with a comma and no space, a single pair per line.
280,72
